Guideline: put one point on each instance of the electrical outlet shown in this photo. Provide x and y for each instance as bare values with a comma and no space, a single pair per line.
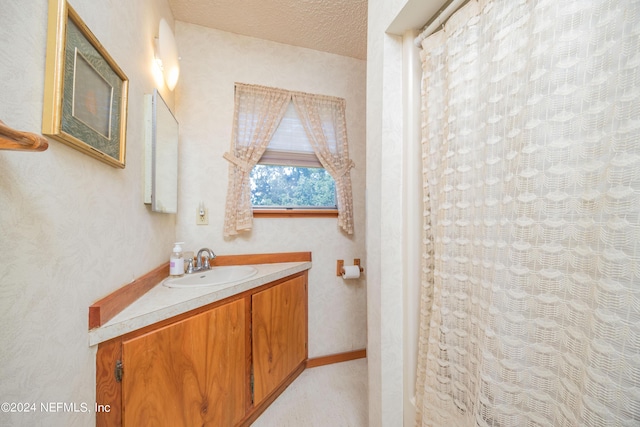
202,216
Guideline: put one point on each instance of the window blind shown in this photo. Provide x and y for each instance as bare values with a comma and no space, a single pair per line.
290,145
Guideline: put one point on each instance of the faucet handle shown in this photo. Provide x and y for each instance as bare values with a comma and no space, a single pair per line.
190,268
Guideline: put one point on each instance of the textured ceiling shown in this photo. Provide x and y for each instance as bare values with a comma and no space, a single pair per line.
335,26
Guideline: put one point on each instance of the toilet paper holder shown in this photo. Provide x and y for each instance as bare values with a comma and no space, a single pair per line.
340,266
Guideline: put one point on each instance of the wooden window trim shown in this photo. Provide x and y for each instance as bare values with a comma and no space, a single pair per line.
295,213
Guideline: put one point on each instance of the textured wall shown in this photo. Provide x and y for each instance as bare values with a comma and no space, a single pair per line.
211,62
385,245
72,229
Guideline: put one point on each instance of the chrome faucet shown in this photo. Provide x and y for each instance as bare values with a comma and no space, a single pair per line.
208,256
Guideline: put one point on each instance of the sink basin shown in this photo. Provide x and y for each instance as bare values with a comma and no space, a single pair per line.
215,276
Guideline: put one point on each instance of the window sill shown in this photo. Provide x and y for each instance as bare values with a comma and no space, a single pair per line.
294,213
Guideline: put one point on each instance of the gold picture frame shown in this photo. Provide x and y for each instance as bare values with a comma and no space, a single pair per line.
85,92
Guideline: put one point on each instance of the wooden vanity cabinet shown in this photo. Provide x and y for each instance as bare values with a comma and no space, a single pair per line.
279,334
191,373
220,365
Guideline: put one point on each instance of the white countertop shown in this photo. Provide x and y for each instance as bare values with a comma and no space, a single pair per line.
161,302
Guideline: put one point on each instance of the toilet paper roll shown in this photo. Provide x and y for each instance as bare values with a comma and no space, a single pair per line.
351,272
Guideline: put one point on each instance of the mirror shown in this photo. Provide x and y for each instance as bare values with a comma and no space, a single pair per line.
161,155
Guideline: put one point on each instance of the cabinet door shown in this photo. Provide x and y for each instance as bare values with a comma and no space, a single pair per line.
279,334
191,373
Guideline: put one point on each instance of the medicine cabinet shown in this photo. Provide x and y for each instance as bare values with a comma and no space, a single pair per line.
161,155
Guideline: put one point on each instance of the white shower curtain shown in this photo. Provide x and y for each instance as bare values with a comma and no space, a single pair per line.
530,310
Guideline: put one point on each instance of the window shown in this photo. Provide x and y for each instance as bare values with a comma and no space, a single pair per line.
309,127
292,187
289,175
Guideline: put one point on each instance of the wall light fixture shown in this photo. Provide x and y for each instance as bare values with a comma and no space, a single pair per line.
167,54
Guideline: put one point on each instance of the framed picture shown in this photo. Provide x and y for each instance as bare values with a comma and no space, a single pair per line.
85,100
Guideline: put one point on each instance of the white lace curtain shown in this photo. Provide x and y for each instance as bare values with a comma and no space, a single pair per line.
530,308
324,121
258,112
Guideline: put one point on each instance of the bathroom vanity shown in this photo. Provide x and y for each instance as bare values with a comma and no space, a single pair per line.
207,356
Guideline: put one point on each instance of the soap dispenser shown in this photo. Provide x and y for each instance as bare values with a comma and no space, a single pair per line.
176,262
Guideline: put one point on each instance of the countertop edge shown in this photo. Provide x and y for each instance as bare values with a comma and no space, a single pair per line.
115,327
